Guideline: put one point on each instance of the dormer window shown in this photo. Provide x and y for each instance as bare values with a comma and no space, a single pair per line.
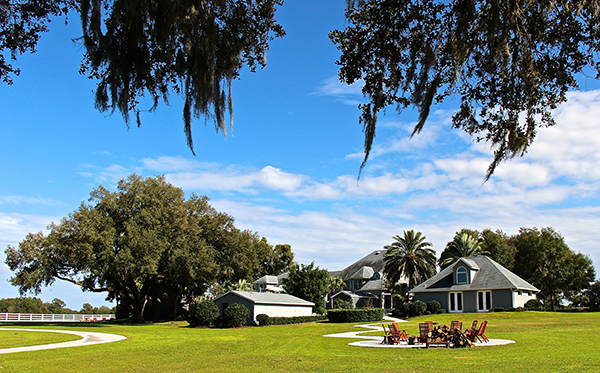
461,275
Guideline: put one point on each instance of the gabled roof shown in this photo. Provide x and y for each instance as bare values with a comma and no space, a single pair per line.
364,273
269,298
490,275
374,260
373,285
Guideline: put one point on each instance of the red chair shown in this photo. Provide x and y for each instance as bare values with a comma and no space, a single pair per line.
387,338
455,325
478,334
481,333
398,335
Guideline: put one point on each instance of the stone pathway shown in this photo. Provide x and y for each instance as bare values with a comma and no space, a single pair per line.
87,338
376,341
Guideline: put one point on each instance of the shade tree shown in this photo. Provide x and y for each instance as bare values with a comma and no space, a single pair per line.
508,63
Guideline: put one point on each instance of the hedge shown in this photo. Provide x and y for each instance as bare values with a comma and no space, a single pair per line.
355,315
267,320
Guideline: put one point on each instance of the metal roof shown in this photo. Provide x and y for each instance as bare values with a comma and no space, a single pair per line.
269,298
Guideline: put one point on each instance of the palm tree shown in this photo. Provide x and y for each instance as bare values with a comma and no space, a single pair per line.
410,257
463,245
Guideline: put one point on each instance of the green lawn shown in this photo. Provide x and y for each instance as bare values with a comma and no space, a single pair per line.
19,338
546,342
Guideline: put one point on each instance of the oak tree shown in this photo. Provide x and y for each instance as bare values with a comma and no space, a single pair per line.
510,63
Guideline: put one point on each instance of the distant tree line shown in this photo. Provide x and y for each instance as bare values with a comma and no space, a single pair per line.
57,306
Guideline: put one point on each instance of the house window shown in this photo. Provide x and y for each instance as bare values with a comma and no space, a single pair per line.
456,302
461,275
484,301
356,284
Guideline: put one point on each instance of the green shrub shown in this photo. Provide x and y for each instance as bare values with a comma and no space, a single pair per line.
263,319
498,309
533,305
355,315
434,306
204,313
442,310
295,319
420,308
409,308
397,313
342,304
236,315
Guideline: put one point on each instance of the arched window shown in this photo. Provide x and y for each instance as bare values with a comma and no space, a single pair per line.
461,275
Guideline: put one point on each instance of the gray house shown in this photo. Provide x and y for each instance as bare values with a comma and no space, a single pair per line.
271,304
365,283
475,284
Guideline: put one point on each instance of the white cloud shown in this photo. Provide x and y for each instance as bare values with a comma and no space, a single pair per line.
350,94
18,200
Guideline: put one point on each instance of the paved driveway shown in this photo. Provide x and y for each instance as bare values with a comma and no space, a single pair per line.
87,338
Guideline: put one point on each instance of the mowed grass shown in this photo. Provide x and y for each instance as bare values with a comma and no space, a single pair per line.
18,338
546,342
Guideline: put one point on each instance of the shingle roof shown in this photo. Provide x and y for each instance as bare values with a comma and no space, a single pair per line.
269,298
374,260
373,285
364,273
491,275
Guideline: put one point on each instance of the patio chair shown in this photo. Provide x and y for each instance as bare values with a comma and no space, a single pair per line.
473,328
481,333
398,335
424,333
455,325
387,338
478,334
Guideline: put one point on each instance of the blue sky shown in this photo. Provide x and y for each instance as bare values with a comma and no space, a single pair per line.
288,167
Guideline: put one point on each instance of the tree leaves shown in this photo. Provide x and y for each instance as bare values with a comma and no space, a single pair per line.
193,48
509,62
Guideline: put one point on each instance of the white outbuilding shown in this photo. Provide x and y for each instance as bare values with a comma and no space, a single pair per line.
271,304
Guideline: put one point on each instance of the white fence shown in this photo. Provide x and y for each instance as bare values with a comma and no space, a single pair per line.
39,317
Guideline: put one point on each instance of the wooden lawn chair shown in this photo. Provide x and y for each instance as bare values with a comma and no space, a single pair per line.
397,334
473,328
424,333
481,333
387,338
455,325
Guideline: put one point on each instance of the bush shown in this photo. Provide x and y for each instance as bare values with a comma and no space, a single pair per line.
409,308
263,319
434,306
498,309
342,304
295,319
397,313
204,313
355,315
236,315
416,308
420,308
533,305
442,310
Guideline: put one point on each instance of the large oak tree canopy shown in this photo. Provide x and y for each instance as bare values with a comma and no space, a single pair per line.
510,62
144,243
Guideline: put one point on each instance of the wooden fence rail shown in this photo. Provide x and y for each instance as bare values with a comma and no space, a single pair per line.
42,317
